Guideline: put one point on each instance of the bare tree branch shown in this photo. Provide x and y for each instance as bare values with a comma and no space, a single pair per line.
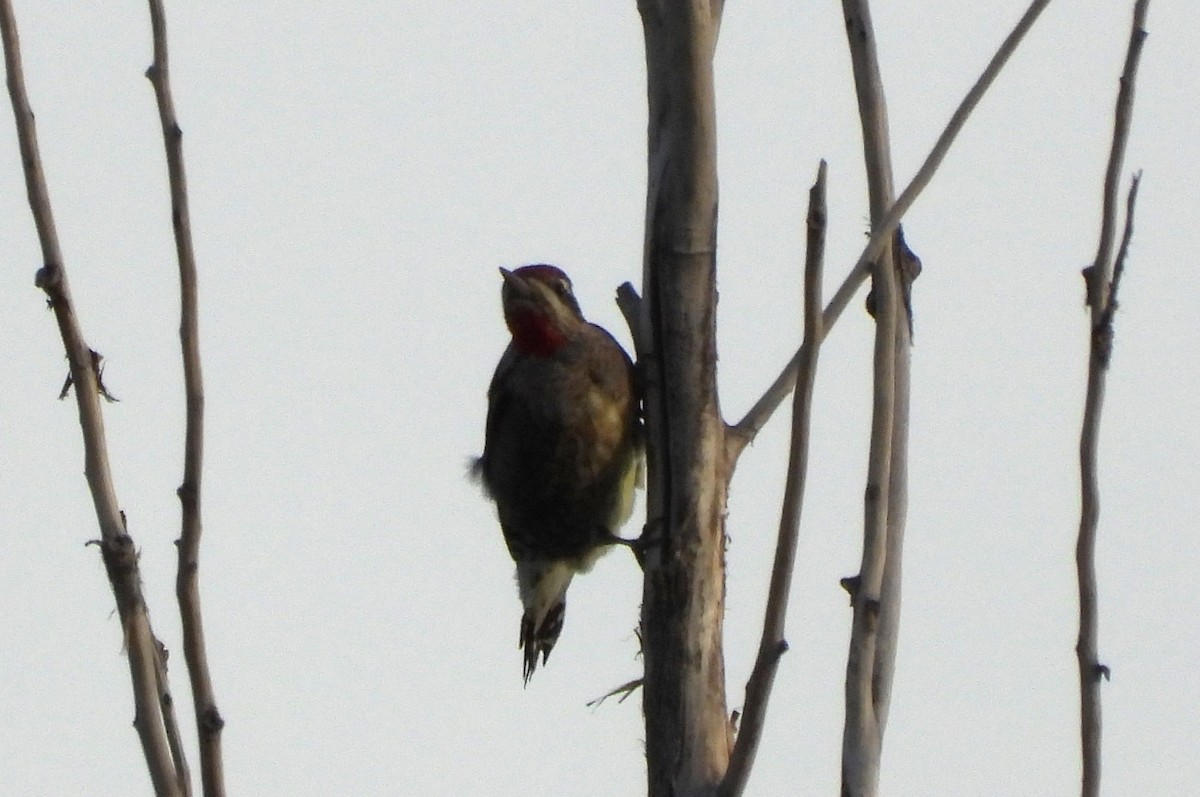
1102,281
876,599
187,588
773,645
744,432
116,547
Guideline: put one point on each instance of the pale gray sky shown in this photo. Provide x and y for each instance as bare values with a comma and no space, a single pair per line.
357,175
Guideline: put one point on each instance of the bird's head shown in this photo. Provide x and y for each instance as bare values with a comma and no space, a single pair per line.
539,308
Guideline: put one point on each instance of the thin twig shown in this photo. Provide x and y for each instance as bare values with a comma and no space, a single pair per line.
630,304
745,430
1110,307
1102,283
773,645
116,547
624,690
187,589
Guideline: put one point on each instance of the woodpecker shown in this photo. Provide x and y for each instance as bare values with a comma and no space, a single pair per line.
563,446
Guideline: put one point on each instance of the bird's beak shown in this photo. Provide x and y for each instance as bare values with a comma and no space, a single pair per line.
519,285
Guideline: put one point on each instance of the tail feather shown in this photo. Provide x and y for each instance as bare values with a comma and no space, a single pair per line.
543,587
539,638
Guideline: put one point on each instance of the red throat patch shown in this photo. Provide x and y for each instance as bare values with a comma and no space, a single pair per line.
535,333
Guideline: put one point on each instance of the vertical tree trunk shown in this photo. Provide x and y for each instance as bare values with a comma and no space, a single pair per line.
687,730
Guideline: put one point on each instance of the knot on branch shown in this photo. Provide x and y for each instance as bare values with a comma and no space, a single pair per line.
1102,337
908,267
119,555
817,218
48,277
1101,671
211,722
188,494
163,653
1086,272
872,606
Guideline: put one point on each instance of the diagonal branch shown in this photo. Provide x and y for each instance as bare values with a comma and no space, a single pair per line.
187,588
1103,279
773,644
745,430
116,546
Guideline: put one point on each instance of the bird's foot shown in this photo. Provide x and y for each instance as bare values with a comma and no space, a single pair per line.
651,536
633,545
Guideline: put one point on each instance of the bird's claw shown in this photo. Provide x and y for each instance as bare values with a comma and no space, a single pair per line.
650,537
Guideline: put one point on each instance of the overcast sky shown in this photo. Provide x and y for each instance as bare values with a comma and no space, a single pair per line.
357,175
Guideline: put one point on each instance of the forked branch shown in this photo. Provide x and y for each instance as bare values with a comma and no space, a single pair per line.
116,546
